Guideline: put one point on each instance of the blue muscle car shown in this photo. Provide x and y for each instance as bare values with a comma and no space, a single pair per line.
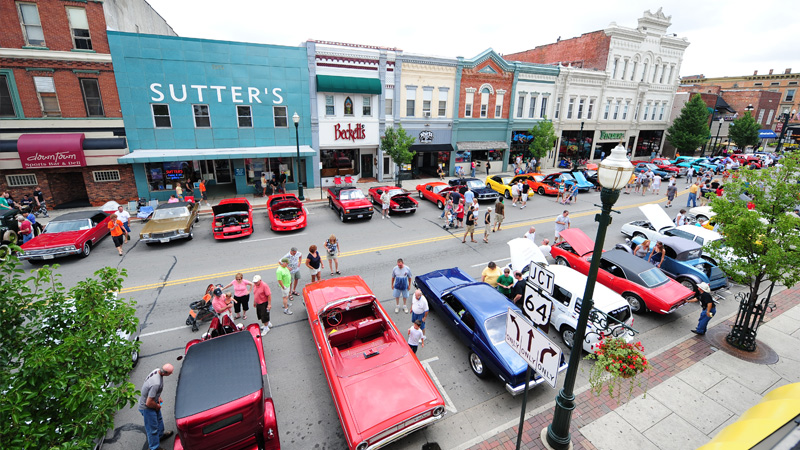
684,262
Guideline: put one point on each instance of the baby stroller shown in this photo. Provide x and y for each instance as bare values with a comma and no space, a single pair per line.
449,220
202,310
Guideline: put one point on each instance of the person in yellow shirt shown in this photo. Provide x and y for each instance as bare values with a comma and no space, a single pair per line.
630,184
693,195
490,274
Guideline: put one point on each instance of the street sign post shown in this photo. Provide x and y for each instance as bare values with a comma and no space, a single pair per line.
537,307
542,354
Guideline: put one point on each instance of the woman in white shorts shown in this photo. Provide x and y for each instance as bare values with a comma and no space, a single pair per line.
314,263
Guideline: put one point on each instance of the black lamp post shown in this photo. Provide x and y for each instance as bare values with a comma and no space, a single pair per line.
296,120
613,173
786,117
716,139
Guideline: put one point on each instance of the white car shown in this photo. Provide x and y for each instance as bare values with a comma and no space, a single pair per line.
700,213
654,227
568,290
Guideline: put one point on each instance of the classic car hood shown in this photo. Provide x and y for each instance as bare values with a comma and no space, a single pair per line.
439,281
387,394
578,240
672,292
50,240
229,208
162,225
657,216
360,203
523,251
581,179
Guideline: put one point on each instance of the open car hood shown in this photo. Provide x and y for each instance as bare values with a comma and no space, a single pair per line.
657,216
523,251
578,240
225,208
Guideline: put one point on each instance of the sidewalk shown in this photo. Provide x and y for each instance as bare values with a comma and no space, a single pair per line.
694,391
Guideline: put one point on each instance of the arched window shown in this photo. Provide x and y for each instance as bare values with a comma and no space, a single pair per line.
485,91
348,107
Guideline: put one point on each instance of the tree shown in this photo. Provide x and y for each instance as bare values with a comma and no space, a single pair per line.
64,358
744,131
690,130
543,138
761,247
396,144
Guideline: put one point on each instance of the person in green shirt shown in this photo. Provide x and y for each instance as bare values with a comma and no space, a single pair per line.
4,202
505,283
285,281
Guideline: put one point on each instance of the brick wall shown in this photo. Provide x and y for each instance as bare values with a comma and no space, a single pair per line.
64,184
768,101
473,78
589,51
55,24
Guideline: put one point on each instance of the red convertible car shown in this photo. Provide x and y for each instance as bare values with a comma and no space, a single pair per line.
380,389
401,201
69,234
233,218
435,192
223,398
285,212
640,283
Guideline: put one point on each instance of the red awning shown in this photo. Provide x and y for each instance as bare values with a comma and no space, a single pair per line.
38,151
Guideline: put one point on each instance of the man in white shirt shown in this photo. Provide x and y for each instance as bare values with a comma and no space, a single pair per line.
514,193
386,201
680,219
531,234
124,216
562,223
419,310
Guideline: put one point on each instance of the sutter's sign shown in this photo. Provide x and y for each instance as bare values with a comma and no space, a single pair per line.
350,133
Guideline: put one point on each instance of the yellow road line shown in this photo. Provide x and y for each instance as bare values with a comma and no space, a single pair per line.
430,240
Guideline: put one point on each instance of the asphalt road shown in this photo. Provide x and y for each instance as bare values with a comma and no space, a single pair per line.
164,279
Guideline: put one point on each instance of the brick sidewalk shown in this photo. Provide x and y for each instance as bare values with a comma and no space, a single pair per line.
590,407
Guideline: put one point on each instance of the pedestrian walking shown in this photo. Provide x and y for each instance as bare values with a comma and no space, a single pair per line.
562,223
314,263
333,248
470,222
505,282
530,234
202,186
689,175
150,403
401,281
117,232
515,188
294,258
241,295
637,186
631,183
499,214
469,196
38,199
523,194
488,166
657,255
419,310
490,274
386,201
562,189
416,338
573,194
646,182
680,219
656,184
672,191
262,300
284,277
707,305
460,213
487,224
124,217
692,195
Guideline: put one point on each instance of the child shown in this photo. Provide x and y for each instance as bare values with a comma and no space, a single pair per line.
561,189
415,336
448,220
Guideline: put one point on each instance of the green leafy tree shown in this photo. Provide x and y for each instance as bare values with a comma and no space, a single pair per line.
744,131
690,130
64,357
543,139
396,144
762,246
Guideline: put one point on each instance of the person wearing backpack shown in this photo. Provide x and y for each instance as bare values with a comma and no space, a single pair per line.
401,280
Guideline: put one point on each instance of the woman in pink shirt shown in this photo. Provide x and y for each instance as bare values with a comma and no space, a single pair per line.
221,303
241,294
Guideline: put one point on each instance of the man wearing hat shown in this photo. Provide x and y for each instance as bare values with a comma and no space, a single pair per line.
294,258
709,309
285,280
262,300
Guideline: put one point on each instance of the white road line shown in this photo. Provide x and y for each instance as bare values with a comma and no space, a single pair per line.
487,262
247,241
448,404
162,331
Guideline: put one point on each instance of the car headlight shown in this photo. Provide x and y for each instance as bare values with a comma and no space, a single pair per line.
67,248
370,209
145,235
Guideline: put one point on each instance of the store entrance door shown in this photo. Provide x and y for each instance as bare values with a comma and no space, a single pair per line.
222,171
366,166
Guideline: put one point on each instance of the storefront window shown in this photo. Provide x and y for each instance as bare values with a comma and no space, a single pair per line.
340,162
272,166
165,176
491,155
649,142
463,156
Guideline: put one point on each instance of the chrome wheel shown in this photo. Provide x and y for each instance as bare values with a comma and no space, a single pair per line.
637,306
476,365
688,284
568,336
561,261
87,249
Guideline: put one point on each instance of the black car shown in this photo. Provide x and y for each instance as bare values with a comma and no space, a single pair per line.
478,187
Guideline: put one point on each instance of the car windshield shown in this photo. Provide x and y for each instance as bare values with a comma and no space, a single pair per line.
171,213
507,180
68,225
475,184
651,166
394,192
353,194
653,277
538,178
496,328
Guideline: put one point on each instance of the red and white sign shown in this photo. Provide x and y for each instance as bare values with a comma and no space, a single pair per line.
349,133
38,151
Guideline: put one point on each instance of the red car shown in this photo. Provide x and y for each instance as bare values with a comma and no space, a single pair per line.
233,218
435,192
73,233
642,284
380,389
665,164
401,201
286,212
223,398
747,160
537,182
349,202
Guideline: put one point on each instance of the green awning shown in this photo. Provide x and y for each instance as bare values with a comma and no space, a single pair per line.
330,83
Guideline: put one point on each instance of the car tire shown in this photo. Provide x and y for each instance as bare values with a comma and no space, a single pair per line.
330,203
86,250
540,191
635,302
4,252
477,366
638,234
10,237
135,357
197,219
439,204
191,234
688,283
568,336
341,215
420,194
507,194
561,261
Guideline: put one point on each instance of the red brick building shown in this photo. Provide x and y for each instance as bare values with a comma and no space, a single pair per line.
587,51
60,120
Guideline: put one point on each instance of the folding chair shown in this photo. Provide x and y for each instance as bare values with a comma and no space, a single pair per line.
337,180
348,179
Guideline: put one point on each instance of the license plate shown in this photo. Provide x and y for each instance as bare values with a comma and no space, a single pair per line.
47,257
359,216
163,241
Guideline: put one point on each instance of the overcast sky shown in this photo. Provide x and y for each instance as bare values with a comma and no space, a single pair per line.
727,38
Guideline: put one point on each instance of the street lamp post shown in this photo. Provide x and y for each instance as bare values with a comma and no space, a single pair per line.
296,120
716,139
613,173
786,117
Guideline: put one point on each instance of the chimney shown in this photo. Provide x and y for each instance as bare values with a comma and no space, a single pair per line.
770,71
787,71
755,72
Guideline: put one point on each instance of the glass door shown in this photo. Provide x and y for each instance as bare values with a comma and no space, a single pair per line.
222,171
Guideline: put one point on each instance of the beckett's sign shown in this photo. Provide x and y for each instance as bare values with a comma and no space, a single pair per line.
349,133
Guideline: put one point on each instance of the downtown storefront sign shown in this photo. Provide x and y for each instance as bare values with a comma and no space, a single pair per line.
351,133
42,151
606,136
